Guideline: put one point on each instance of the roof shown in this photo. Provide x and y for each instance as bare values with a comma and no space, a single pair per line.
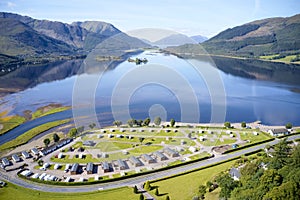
234,172
89,166
105,165
74,167
134,160
34,150
121,163
159,154
169,151
15,157
25,154
5,161
279,130
147,157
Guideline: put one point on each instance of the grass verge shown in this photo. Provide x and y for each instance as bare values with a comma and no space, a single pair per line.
25,137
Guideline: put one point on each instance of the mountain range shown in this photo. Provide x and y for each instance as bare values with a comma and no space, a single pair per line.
262,37
22,35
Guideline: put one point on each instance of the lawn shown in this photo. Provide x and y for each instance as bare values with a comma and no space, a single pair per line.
15,192
40,112
9,122
144,149
67,159
112,146
186,186
254,138
25,137
217,142
199,155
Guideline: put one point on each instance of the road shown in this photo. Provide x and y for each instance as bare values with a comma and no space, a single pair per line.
136,180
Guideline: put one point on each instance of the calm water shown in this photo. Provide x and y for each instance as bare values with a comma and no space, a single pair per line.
191,90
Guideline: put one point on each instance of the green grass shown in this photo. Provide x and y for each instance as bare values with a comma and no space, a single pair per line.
67,159
10,122
15,193
185,187
144,149
25,137
254,138
112,146
39,112
199,155
217,142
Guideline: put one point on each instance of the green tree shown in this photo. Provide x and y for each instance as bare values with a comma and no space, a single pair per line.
147,186
142,197
135,189
139,122
46,142
73,132
287,190
156,192
80,129
271,178
131,122
172,122
141,139
157,121
227,184
202,191
117,123
55,137
289,125
227,124
147,121
281,155
243,124
93,125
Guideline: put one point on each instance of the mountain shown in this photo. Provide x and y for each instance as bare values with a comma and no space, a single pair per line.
79,35
18,38
199,38
261,37
174,40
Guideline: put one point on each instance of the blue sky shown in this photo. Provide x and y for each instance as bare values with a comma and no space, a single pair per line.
191,17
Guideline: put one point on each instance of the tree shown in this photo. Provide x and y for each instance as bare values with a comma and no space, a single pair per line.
157,121
141,139
227,124
135,189
287,190
117,123
209,185
147,121
289,125
202,191
172,122
156,192
147,186
280,156
46,141
142,197
80,129
131,122
93,125
227,184
73,132
55,137
243,124
167,198
139,122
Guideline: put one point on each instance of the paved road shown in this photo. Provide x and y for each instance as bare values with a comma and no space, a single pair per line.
137,180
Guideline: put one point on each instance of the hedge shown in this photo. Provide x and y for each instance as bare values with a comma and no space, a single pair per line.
247,146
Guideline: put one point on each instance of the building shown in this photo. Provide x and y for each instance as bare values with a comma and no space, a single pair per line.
74,169
35,151
105,167
90,168
148,159
171,153
159,156
235,174
278,131
121,164
25,154
88,143
135,162
5,162
16,158
192,149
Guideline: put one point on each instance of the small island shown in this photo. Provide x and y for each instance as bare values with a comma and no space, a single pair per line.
138,61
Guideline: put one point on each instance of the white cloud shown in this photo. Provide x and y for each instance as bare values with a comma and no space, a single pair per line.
11,4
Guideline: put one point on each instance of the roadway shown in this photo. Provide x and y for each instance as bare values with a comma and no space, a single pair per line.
13,178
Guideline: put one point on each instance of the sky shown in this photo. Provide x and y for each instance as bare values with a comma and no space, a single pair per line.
190,17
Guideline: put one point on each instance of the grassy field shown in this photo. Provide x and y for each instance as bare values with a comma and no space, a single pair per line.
14,192
185,187
25,137
254,138
112,146
144,149
40,112
9,122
